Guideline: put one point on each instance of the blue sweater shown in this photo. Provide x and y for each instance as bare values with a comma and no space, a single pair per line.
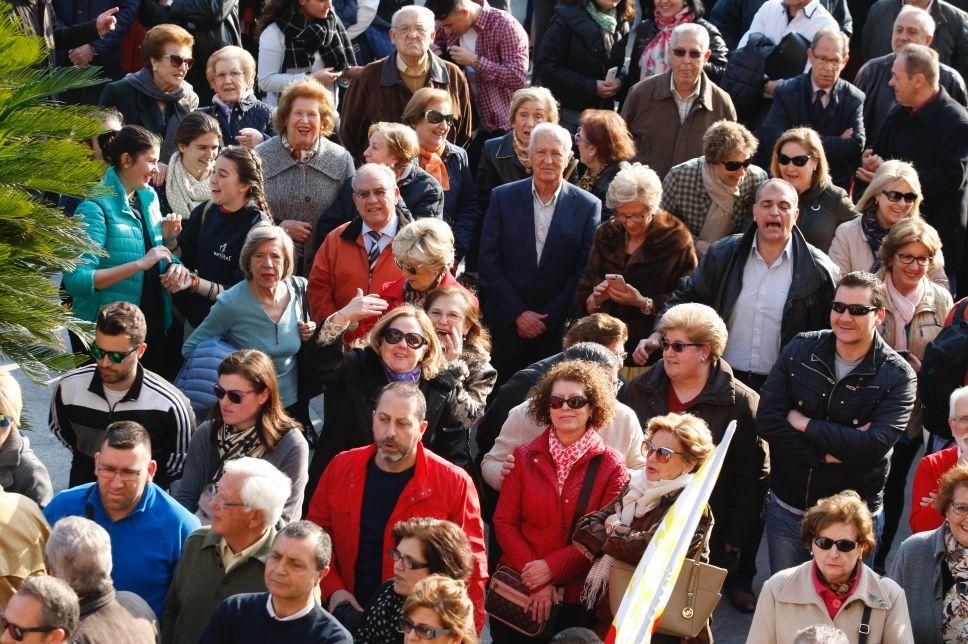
145,545
245,618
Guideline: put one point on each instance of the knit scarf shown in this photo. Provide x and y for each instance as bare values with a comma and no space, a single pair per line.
875,235
431,162
954,613
184,191
144,82
641,496
564,458
607,20
654,59
234,443
902,307
719,218
412,377
305,37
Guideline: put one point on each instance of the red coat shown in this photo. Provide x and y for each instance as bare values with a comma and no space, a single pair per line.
438,490
532,522
930,469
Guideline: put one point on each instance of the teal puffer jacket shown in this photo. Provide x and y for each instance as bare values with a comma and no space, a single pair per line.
111,225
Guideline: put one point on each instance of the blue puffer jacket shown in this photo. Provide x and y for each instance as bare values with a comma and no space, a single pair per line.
200,373
111,225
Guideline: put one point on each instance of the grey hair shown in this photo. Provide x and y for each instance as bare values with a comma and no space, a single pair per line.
923,17
425,15
696,30
377,168
59,604
836,35
79,552
592,352
955,398
821,634
429,241
779,183
263,232
555,130
264,487
636,183
308,529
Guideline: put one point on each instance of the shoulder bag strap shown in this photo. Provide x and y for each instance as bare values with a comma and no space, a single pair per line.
865,628
586,491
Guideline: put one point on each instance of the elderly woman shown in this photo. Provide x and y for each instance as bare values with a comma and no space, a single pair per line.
604,147
431,114
303,169
186,183
438,610
249,420
799,158
893,194
675,446
265,311
650,51
932,567
693,377
713,193
638,255
536,511
836,588
584,40
242,117
424,547
20,469
157,97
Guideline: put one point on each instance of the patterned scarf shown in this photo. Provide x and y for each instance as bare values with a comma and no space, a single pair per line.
588,180
521,150
305,37
431,162
415,297
564,458
954,612
184,191
719,217
902,308
874,234
606,20
234,443
655,59
412,377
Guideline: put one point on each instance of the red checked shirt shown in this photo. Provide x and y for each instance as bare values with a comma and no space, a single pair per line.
501,67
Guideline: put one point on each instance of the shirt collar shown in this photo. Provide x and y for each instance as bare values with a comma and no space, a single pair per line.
693,94
404,69
787,253
554,197
390,230
807,11
225,552
308,608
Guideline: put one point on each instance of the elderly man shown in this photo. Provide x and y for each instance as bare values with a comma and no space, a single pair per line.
930,130
383,88
79,552
366,491
929,471
228,557
912,26
824,101
777,18
535,241
44,611
147,526
668,113
950,35
358,254
298,562
831,410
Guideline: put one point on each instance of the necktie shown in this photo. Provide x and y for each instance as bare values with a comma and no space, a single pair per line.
374,253
818,106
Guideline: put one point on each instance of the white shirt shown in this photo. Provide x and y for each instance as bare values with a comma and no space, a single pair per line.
300,613
755,322
543,214
772,21
468,40
386,234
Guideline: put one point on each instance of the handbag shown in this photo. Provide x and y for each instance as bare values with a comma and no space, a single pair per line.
691,604
308,383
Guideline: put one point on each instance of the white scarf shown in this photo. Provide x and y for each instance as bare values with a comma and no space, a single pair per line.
184,191
640,498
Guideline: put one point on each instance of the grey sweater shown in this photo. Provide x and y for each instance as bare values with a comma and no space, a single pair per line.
917,569
22,472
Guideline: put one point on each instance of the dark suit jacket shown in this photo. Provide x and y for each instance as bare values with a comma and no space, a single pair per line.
792,102
513,279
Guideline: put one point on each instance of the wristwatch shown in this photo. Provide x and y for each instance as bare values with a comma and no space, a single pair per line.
648,308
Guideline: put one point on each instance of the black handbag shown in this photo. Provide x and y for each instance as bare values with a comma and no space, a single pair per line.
308,381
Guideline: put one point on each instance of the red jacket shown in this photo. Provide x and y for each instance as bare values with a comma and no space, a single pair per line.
930,469
532,522
438,490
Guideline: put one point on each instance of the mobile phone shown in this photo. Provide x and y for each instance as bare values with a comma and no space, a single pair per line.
611,74
615,280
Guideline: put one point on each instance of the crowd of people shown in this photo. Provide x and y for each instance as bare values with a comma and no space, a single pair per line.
534,279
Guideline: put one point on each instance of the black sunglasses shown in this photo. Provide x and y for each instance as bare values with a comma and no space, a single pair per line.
178,61
733,166
678,347
894,196
434,117
423,631
117,357
662,454
826,543
235,395
679,52
414,340
18,632
575,402
855,309
798,161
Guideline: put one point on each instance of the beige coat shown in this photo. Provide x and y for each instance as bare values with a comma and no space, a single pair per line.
789,602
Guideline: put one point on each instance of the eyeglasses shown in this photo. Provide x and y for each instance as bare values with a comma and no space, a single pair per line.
856,310
894,196
959,509
733,166
828,62
128,476
678,347
410,268
414,340
117,357
423,631
960,420
406,30
434,117
679,52
798,161
379,193
406,560
213,492
662,454
224,76
575,402
235,395
922,260
635,219
178,61
826,543
18,632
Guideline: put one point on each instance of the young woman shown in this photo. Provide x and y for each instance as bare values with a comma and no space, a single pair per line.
186,182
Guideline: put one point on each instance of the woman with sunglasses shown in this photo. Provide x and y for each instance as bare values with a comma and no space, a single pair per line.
693,377
637,257
249,420
438,611
799,158
892,195
932,567
604,148
20,469
536,510
424,547
676,445
836,588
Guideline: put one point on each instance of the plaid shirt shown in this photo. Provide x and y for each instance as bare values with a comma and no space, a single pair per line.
684,195
502,64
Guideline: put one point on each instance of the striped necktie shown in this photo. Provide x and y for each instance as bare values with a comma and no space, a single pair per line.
374,253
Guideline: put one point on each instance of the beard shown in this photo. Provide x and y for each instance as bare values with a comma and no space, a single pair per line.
401,452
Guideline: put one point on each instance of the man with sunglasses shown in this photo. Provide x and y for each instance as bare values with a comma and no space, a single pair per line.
116,387
831,410
44,611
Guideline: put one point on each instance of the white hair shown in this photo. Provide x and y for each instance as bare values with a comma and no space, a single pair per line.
698,31
555,130
821,634
956,396
264,487
923,17
636,183
390,179
424,15
79,552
